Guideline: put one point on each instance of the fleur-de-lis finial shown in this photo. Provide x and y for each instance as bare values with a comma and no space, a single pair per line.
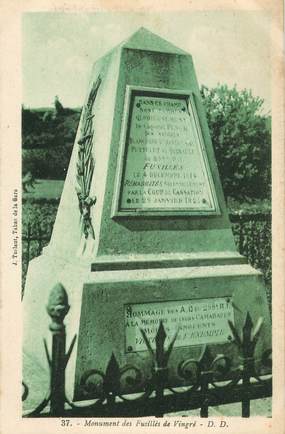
112,376
161,356
250,335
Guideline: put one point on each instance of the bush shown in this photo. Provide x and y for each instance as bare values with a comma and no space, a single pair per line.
47,142
241,138
47,163
40,213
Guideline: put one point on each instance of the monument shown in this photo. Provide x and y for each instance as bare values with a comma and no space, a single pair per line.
142,232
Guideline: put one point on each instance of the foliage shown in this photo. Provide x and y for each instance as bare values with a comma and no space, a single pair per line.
50,163
40,213
31,123
241,138
47,142
254,206
252,233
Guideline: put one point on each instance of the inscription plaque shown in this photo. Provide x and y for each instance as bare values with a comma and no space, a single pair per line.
197,322
165,165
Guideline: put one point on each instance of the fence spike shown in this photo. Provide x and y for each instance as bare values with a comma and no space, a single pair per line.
170,348
247,328
25,391
113,366
205,358
146,340
266,358
235,333
159,340
112,376
256,331
68,354
47,352
247,346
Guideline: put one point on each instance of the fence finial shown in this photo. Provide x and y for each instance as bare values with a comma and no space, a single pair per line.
57,307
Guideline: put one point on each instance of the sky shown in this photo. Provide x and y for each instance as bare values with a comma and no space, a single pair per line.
59,49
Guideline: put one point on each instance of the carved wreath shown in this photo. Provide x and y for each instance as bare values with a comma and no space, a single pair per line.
86,164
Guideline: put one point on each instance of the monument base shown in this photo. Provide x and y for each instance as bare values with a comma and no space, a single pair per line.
109,307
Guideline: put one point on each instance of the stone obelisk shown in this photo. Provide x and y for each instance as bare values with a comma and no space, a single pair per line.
142,231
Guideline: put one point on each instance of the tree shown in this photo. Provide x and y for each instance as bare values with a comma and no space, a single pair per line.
59,110
241,137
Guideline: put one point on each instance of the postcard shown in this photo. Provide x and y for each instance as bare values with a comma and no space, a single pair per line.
142,243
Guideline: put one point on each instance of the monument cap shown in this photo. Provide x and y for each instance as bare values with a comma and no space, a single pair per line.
143,39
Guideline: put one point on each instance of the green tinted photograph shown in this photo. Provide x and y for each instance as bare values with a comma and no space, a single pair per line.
146,216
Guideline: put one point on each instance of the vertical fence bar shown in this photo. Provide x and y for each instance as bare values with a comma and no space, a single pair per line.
160,369
204,411
159,391
241,235
57,373
28,242
245,405
259,243
252,244
57,308
111,384
266,243
249,339
40,240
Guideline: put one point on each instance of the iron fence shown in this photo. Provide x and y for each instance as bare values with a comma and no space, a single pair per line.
209,381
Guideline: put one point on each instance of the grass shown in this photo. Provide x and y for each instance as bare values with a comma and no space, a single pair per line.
44,189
